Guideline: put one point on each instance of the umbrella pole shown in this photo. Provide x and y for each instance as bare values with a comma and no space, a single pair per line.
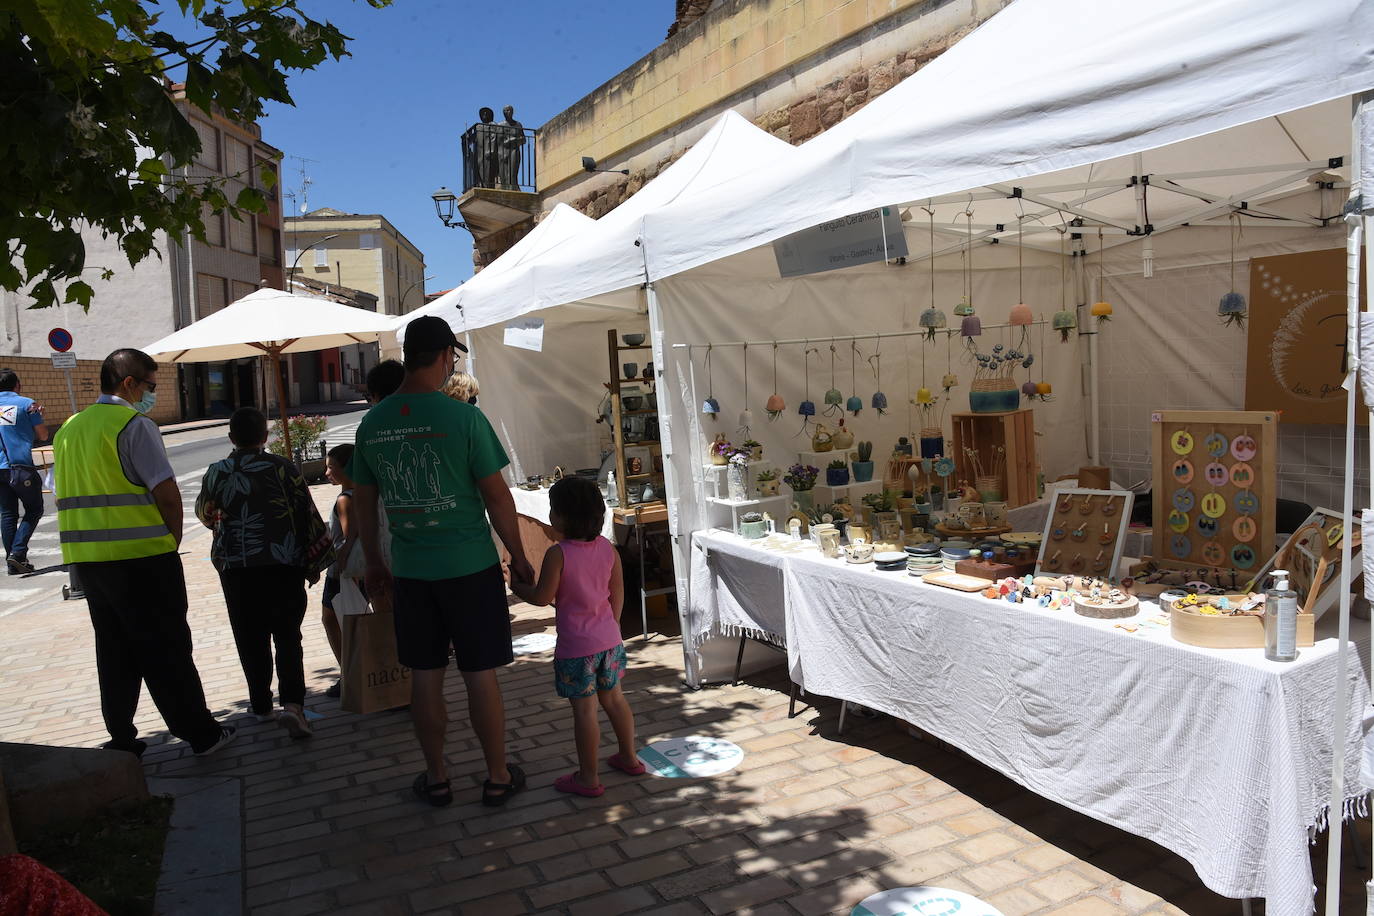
281,404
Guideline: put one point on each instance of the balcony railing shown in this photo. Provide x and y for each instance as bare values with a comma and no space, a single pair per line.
500,157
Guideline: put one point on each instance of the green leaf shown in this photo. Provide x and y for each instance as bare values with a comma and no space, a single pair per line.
79,291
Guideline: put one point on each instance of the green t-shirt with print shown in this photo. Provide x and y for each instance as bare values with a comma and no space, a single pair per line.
425,453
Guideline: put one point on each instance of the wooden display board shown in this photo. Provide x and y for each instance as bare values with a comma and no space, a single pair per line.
1085,532
985,433
1316,548
1214,487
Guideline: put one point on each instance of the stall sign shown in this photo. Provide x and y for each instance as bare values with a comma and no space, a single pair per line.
844,242
526,333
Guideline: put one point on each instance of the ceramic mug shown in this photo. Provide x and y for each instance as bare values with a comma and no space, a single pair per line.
995,513
631,370
859,553
830,543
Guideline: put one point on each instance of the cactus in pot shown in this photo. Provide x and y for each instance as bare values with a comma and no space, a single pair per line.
862,461
752,525
837,473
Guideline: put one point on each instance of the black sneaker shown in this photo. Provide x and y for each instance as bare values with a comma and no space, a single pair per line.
135,747
336,690
226,734
18,567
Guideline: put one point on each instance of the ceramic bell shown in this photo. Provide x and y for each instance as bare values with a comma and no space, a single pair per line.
807,409
879,403
963,308
746,418
1064,322
1020,315
833,398
932,319
710,407
972,326
775,406
1231,309
1102,311
949,381
924,396
854,404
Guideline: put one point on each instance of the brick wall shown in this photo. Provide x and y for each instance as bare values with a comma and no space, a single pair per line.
46,385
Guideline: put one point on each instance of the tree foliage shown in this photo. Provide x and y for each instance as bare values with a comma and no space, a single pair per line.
90,135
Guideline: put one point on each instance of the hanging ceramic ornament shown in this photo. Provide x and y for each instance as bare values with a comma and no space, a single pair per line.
950,380
833,397
1042,389
807,408
1231,309
1102,309
1064,320
710,407
924,396
964,308
879,402
746,416
932,319
775,405
855,403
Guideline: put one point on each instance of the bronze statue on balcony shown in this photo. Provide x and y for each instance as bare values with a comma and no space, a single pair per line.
512,138
485,151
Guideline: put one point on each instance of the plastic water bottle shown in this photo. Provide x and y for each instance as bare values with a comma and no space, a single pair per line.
1280,620
612,497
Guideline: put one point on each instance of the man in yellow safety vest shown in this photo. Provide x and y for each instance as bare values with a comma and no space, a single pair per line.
119,515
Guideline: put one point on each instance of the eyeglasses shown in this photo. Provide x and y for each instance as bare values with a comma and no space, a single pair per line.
152,385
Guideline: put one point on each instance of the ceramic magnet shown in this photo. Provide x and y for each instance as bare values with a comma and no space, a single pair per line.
1243,448
1247,503
1215,444
1182,442
1214,505
1245,529
1242,475
1183,471
1213,554
1206,526
1242,556
1216,474
1184,501
1180,546
1178,521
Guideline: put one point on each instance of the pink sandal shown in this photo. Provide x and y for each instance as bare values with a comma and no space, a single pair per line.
619,763
571,785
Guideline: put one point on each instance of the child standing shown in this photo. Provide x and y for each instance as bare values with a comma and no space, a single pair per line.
344,534
581,577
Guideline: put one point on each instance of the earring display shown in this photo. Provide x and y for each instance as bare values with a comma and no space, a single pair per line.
1085,532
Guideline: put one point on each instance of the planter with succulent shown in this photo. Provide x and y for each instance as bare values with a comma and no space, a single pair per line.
837,473
768,481
937,497
886,501
754,448
801,478
861,460
719,450
829,513
752,525
737,475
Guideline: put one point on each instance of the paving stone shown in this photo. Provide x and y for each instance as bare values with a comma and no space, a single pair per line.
737,897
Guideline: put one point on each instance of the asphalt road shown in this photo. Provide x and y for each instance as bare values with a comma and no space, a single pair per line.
191,453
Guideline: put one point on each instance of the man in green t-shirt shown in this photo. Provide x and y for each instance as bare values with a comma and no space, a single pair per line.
436,464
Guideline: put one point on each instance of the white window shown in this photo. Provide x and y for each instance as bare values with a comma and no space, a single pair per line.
321,257
367,240
291,254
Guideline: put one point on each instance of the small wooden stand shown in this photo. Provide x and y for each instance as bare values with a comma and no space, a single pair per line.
624,480
984,432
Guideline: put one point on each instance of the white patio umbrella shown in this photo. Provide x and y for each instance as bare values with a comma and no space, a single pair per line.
269,323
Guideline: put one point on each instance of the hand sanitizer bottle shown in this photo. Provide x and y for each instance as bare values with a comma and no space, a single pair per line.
612,497
1280,620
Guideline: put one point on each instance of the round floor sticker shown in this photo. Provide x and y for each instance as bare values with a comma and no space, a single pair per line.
692,756
531,643
1182,442
1184,500
1183,471
923,901
1215,444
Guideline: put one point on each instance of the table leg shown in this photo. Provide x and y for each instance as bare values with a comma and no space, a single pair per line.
1245,907
739,659
643,596
844,707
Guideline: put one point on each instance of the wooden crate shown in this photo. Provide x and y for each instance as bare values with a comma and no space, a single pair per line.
984,432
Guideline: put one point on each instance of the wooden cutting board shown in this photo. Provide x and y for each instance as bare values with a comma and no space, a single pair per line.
956,581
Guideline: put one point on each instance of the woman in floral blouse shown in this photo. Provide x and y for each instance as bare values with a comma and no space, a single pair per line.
266,528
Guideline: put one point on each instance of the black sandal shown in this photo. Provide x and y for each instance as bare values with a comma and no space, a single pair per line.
437,794
503,790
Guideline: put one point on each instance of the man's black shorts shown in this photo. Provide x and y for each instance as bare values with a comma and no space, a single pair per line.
468,612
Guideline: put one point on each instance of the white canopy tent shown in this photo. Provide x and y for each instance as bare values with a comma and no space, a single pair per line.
1222,106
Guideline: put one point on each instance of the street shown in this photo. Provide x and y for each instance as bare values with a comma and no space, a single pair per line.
191,452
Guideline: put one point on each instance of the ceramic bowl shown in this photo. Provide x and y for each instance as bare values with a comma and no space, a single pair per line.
632,340
633,402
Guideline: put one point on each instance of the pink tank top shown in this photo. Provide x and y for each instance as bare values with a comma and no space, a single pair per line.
582,607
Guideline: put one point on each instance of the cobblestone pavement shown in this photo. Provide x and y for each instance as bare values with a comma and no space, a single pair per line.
810,823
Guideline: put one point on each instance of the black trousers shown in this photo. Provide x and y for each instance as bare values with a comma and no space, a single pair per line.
266,605
138,610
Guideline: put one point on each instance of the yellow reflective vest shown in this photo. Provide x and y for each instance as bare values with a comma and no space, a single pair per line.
101,514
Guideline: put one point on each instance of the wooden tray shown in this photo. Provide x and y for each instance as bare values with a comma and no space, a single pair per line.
956,581
1221,632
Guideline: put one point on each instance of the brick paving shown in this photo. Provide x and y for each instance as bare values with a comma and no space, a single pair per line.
810,823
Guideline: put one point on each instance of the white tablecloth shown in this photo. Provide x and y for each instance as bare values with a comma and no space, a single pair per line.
1218,755
535,504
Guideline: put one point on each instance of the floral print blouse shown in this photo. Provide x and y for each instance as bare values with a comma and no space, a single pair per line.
260,510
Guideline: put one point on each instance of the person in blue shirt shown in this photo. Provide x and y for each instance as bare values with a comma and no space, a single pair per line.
21,425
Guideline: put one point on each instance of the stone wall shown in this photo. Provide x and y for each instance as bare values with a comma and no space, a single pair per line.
797,122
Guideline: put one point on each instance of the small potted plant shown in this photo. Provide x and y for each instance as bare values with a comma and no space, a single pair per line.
801,478
836,473
752,525
937,497
737,475
720,450
755,449
768,481
862,462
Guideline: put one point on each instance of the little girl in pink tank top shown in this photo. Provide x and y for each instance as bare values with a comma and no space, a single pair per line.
581,577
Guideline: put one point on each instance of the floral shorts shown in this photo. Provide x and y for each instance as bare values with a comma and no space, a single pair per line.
584,676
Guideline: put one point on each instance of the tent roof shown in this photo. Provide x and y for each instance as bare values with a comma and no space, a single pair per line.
991,113
270,317
603,257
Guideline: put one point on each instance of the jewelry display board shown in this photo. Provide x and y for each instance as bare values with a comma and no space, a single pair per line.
1085,532
1214,487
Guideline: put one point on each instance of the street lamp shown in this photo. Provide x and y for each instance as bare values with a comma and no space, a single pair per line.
444,204
409,288
292,271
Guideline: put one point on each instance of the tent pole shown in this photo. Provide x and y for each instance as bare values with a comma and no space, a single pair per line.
281,403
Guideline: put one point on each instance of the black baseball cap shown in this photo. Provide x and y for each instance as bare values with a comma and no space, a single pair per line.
430,334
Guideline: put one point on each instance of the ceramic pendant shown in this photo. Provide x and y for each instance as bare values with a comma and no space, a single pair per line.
1066,503
1206,526
1086,506
1052,563
1077,564
1107,536
1178,521
1245,529
1058,534
1215,444
1214,504
1216,474
1182,442
1213,553
1180,546
1243,448
1242,556
1080,533
1184,501
1183,471
1247,503
1109,507
1242,475
1333,535
1100,561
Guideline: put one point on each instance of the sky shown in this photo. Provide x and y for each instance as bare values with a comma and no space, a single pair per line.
382,126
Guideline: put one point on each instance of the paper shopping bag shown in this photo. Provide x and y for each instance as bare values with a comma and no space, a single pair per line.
373,677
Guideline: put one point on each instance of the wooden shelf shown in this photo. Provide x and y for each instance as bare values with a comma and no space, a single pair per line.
736,503
619,348
655,475
637,413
